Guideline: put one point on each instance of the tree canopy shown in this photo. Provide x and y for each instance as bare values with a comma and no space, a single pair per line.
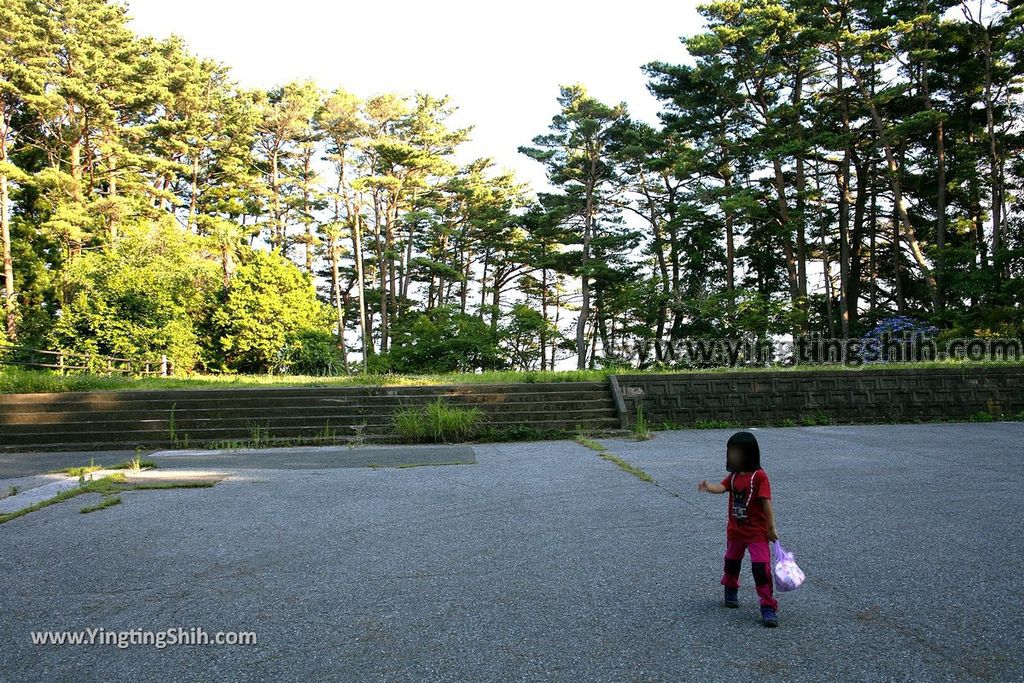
816,168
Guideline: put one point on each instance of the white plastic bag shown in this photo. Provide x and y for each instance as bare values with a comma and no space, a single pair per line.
788,576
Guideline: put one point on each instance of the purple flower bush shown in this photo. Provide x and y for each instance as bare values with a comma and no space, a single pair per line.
910,331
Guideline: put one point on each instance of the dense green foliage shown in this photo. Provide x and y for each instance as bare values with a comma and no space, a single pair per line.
438,422
878,143
817,167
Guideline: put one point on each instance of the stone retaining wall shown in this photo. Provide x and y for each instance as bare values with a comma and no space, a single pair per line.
868,395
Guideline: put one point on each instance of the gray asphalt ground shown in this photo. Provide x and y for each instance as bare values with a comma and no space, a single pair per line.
544,562
16,465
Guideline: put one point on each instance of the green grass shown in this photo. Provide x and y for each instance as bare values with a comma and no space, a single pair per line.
78,471
622,464
105,502
641,430
710,424
108,487
627,466
101,486
21,380
161,485
815,420
437,422
590,443
135,464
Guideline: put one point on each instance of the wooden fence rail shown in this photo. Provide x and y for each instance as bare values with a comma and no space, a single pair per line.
70,361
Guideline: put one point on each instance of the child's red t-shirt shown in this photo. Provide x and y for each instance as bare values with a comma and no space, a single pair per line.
748,520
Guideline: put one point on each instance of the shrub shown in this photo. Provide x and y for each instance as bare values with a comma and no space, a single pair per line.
268,305
441,340
140,299
315,352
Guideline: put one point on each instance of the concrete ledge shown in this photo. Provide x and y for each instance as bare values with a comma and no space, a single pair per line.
315,457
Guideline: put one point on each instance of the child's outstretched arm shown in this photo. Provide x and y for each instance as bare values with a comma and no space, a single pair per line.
711,487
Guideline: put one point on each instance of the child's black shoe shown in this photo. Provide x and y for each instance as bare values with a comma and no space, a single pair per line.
769,618
732,598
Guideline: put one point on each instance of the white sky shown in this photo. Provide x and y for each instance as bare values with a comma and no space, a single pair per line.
501,63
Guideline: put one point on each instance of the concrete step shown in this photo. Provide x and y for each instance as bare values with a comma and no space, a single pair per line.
111,419
297,402
244,393
132,438
319,409
212,419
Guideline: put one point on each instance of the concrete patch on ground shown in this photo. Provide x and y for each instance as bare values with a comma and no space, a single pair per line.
62,482
47,490
21,484
17,465
315,457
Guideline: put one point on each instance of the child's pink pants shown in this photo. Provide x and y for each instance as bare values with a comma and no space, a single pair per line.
760,566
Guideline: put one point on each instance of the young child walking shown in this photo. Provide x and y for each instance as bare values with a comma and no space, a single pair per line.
751,522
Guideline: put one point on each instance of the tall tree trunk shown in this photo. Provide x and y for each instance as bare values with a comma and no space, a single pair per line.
464,289
658,247
601,322
843,180
336,285
544,317
873,260
496,299
940,199
112,218
193,197
845,201
787,234
995,176
897,190
10,302
357,248
826,268
558,315
801,193
483,283
978,233
852,286
306,213
730,240
897,255
277,229
392,224
379,247
407,257
786,224
581,323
